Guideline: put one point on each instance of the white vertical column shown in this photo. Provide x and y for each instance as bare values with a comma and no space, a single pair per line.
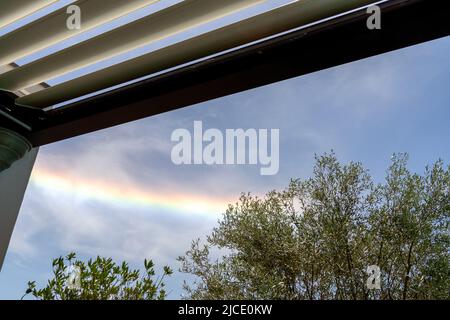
13,183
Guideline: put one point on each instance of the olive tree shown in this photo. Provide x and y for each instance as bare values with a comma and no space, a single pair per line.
316,239
100,279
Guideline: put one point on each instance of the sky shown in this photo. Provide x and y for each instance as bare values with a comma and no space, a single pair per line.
116,192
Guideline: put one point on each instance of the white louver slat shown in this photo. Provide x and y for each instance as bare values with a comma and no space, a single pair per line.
11,11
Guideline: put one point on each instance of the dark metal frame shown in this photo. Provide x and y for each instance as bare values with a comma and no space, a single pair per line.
327,44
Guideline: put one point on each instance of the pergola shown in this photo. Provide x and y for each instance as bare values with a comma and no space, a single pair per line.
298,38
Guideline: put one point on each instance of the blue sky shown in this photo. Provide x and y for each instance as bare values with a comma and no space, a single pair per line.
365,111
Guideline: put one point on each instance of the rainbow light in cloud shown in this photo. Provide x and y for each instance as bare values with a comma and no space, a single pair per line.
115,194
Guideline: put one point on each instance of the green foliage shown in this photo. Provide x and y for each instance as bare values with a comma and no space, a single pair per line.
320,248
100,279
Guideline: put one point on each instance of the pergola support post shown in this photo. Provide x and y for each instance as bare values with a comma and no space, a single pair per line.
16,163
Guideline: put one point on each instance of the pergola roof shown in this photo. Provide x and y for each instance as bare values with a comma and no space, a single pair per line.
296,38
